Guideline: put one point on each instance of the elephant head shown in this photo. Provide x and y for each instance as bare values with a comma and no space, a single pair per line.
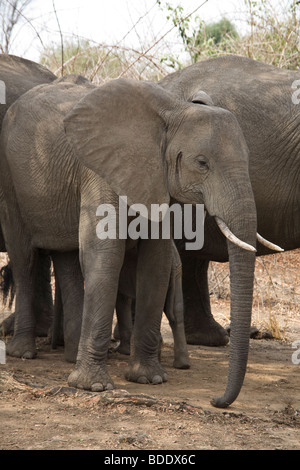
150,146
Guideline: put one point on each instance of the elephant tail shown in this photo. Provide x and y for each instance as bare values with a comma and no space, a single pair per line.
7,286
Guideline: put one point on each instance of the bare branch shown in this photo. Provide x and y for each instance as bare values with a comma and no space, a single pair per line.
143,54
61,39
11,11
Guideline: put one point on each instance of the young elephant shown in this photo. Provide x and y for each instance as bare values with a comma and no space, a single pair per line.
68,150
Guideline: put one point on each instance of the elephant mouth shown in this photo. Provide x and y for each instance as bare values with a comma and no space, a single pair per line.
245,246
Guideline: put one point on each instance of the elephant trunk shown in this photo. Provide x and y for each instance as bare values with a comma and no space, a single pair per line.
241,285
242,265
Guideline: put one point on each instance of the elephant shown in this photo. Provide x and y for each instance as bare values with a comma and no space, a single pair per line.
260,96
18,76
28,74
82,149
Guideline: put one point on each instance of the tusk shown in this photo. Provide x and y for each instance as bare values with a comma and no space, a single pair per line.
228,234
268,244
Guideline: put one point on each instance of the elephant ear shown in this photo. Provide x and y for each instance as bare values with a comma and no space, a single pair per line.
200,97
118,130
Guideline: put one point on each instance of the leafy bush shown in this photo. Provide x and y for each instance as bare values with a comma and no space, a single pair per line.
272,37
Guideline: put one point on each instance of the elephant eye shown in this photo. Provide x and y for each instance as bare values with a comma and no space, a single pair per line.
202,163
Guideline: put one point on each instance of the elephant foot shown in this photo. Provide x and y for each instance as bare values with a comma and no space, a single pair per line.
124,348
151,373
121,349
7,326
209,333
181,362
90,376
124,337
22,345
70,353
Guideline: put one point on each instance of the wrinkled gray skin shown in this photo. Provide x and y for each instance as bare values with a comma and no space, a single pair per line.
173,307
79,147
260,96
19,76
126,293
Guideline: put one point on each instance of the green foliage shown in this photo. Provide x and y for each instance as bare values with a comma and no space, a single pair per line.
218,32
272,37
199,39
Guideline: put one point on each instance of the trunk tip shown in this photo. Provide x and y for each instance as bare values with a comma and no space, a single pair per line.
219,402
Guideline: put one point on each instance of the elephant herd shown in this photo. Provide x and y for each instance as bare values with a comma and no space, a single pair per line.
222,133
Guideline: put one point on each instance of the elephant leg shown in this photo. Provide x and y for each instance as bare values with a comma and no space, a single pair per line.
200,326
70,279
101,269
7,326
124,316
24,268
181,357
174,311
153,274
7,288
43,299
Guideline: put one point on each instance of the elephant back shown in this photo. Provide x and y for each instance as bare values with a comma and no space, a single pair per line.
20,75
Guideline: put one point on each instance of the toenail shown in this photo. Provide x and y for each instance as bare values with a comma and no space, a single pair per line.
157,380
142,380
97,387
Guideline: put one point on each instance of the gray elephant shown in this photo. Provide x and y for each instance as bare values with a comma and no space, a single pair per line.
260,96
80,148
18,76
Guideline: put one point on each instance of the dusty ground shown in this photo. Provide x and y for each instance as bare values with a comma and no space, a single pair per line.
39,411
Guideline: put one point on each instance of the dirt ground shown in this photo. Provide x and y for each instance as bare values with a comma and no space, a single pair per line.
40,412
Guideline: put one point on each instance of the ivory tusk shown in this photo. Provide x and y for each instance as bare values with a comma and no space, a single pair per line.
268,244
228,234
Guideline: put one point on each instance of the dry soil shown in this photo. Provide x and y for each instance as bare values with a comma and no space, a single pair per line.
39,411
